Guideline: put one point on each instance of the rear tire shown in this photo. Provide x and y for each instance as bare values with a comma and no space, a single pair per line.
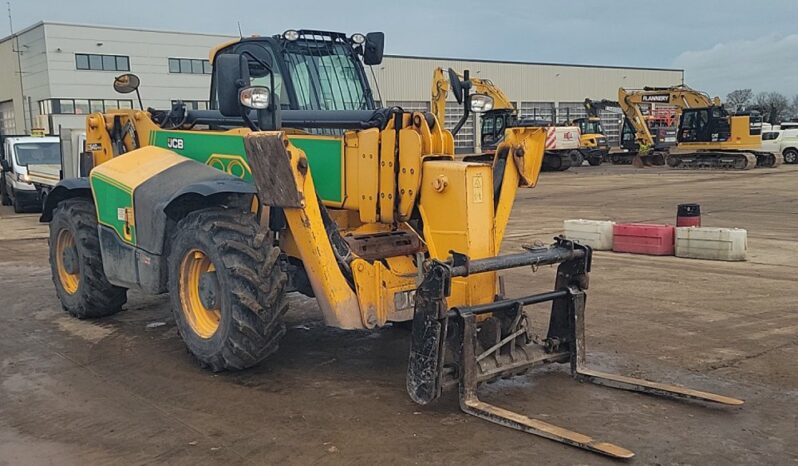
791,156
227,289
594,161
76,262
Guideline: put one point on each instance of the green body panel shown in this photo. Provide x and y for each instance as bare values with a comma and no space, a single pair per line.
226,152
326,159
109,197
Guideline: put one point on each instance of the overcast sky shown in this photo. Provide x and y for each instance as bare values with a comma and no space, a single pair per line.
721,44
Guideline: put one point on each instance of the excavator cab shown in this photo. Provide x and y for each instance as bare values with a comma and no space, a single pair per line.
493,126
710,124
589,125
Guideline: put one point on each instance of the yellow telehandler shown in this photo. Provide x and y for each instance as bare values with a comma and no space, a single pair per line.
294,181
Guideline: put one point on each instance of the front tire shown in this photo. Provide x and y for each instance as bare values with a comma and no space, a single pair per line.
18,209
227,289
76,262
4,199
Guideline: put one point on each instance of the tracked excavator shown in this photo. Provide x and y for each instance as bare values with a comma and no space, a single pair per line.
563,144
294,181
595,146
708,136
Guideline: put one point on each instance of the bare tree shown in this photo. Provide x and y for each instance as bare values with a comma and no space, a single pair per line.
773,105
739,98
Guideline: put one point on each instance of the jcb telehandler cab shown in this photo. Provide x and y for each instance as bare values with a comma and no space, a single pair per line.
295,182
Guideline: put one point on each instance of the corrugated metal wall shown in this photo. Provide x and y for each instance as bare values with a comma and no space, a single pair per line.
538,90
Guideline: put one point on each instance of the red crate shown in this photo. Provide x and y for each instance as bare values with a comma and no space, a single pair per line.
643,238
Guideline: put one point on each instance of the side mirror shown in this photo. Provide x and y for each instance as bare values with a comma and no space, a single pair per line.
126,83
373,49
456,85
4,164
232,74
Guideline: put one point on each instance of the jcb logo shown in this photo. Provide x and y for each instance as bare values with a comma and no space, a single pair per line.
174,143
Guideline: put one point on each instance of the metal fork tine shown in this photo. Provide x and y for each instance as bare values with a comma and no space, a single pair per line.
507,418
622,382
646,386
470,404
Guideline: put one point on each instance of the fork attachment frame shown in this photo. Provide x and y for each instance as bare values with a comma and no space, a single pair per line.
456,347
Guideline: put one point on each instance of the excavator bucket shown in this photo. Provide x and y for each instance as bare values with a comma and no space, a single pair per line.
469,345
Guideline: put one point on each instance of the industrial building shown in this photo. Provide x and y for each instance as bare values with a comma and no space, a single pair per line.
53,74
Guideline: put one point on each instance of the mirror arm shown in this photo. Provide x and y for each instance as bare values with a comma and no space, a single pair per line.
138,94
466,103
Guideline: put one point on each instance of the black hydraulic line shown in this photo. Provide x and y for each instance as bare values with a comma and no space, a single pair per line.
334,119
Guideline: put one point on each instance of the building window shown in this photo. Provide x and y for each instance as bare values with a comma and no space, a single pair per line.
81,106
189,66
95,62
194,104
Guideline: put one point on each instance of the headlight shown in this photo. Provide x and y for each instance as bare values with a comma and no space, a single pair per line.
481,103
256,97
291,35
358,38
24,178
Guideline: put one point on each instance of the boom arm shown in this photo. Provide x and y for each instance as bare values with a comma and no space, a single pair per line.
440,90
593,107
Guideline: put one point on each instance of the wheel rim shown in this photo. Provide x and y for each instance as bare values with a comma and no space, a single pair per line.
66,259
200,304
790,157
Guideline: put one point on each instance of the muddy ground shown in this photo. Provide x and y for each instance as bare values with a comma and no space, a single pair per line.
121,390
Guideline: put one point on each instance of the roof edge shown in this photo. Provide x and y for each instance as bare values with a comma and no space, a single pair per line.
99,26
520,62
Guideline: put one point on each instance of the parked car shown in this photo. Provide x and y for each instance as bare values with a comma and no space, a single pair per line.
782,141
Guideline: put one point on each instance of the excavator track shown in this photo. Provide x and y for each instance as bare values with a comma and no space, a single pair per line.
712,160
768,159
556,161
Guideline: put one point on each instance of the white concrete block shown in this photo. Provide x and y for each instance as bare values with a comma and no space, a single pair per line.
723,244
594,233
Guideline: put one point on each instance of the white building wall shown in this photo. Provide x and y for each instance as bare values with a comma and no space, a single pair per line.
409,78
149,53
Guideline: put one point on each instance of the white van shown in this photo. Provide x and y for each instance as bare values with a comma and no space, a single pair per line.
18,152
782,141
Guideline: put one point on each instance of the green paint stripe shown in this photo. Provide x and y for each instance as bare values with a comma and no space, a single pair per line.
112,182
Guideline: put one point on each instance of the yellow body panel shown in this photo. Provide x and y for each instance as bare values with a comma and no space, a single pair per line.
368,169
387,176
458,216
410,159
131,170
377,287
